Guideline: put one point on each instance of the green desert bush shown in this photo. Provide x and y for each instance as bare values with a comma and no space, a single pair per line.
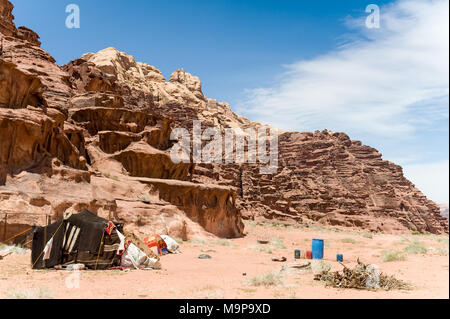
267,280
40,293
277,242
224,242
348,240
197,242
144,197
250,223
392,255
416,249
108,175
260,248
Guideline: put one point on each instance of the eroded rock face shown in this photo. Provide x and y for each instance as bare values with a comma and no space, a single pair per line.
34,61
95,134
31,115
327,177
207,204
444,210
86,77
19,89
28,136
192,83
3,174
71,137
142,160
181,96
28,35
323,176
7,26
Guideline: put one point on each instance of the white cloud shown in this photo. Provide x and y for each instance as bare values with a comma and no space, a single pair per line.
387,81
388,85
432,179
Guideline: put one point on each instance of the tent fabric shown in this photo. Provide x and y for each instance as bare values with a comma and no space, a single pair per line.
172,245
136,258
154,240
77,239
41,236
48,249
92,228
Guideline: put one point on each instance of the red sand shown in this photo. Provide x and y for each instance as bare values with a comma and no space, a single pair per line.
186,276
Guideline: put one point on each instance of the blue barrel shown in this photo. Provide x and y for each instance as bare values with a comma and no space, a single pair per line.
317,248
340,257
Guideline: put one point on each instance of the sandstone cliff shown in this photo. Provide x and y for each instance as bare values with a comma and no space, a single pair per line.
95,134
322,176
77,137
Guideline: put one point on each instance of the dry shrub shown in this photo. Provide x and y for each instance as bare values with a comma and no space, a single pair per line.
416,249
348,240
357,277
390,255
267,280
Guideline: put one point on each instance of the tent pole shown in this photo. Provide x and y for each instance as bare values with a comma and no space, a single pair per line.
4,226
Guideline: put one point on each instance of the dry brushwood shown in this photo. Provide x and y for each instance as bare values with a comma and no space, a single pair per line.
356,279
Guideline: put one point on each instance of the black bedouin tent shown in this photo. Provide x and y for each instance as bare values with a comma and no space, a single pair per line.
76,239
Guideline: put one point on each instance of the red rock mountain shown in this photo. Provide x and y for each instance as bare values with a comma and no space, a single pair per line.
95,134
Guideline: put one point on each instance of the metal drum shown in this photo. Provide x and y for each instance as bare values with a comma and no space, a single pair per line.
317,248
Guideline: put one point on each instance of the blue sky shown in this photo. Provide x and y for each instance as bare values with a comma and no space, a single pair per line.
230,45
300,65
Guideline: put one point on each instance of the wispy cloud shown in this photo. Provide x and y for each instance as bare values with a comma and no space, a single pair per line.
387,85
383,82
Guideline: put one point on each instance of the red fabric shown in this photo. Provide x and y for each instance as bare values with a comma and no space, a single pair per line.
154,240
110,228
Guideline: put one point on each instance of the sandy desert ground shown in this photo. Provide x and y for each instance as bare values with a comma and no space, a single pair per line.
242,268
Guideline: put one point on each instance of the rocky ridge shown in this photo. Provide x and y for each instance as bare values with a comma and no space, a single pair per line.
101,125
323,176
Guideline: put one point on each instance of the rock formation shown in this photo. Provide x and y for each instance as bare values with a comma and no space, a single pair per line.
322,176
326,177
81,137
95,134
7,26
444,210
